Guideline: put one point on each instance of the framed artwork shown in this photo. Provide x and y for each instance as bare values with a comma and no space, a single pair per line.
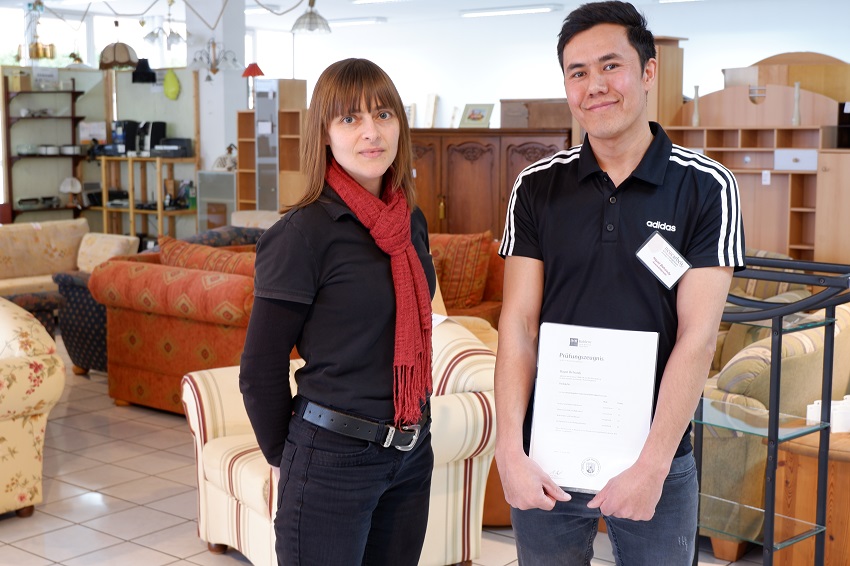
410,110
476,116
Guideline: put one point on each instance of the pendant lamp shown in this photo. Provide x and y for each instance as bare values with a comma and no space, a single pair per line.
118,55
311,22
143,73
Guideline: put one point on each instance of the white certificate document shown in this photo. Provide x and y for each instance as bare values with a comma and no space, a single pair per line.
592,402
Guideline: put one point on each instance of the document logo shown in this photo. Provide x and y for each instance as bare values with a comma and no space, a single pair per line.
576,343
573,341
590,467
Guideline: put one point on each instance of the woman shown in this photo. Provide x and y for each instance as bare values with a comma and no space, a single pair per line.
346,277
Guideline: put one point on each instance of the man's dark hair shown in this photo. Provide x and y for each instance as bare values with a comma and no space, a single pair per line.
619,13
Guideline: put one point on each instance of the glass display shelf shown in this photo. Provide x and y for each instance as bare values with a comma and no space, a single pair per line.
745,523
790,322
752,420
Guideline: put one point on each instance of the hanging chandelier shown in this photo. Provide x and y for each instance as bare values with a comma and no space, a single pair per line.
37,50
172,38
311,22
213,58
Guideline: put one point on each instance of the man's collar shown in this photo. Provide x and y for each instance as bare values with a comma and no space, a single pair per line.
652,166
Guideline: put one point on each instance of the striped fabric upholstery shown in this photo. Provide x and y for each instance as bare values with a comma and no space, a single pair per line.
237,501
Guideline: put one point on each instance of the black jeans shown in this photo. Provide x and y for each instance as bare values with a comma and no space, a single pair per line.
345,501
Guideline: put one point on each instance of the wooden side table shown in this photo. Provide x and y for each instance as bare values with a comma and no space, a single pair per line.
796,496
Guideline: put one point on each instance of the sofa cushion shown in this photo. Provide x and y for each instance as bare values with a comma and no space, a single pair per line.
235,465
31,284
176,253
461,262
97,248
40,248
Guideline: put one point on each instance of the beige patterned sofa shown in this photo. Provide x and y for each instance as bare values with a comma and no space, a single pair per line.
236,502
32,378
30,253
733,464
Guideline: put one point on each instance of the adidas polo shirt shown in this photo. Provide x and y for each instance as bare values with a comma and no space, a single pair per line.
565,211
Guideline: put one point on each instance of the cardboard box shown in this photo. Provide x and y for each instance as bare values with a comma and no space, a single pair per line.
19,82
536,113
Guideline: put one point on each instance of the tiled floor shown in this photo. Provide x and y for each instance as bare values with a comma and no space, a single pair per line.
119,488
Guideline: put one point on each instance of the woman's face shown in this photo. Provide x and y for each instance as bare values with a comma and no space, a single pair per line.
365,144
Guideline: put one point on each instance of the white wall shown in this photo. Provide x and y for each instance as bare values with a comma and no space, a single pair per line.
487,59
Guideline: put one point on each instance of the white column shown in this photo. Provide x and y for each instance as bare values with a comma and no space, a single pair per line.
227,92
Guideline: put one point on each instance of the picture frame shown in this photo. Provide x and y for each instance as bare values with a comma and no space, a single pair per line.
476,116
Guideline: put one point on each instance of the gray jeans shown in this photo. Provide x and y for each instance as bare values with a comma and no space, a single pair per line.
564,536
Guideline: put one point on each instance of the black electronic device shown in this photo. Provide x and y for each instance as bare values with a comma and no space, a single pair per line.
150,135
173,147
125,133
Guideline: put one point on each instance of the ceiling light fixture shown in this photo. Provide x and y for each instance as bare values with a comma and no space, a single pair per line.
213,58
346,22
172,38
118,55
511,11
311,22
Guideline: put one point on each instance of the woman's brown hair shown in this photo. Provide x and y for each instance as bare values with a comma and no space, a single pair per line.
340,90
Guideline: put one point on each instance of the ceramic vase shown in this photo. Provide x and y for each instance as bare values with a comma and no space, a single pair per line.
795,117
695,115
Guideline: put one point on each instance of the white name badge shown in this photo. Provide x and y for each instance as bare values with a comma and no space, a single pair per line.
662,259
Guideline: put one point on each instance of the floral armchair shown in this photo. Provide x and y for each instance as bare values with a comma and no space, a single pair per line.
32,378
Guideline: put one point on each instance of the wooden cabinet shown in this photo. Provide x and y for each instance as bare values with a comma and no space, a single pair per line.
776,170
268,172
465,176
832,231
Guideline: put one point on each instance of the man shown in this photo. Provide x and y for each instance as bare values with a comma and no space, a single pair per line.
574,224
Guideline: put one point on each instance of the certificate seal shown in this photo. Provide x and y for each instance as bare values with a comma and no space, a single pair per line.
590,467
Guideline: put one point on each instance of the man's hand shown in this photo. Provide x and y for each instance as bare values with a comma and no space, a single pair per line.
526,485
632,494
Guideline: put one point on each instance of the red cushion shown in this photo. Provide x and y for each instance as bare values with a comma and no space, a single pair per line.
461,262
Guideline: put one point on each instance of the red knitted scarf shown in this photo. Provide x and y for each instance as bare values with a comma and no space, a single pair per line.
388,221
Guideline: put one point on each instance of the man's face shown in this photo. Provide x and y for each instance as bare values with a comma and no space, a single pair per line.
605,84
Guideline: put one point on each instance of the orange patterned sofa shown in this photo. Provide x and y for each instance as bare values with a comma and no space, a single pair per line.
470,273
183,309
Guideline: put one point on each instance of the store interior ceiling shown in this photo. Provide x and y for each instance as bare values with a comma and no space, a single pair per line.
399,11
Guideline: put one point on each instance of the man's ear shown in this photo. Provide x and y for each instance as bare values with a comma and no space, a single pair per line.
650,74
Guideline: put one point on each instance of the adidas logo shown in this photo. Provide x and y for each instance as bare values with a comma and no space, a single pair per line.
661,226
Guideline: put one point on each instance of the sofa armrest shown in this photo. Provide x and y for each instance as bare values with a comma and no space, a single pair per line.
31,385
463,426
207,296
461,363
72,278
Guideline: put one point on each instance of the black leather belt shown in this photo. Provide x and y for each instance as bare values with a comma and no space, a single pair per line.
386,435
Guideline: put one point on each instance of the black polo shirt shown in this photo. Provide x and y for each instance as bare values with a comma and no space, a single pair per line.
322,284
566,212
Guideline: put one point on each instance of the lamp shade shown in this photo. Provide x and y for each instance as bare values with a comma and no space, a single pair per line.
116,55
311,22
252,70
143,73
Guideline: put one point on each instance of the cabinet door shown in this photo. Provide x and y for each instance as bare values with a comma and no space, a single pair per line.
764,210
470,182
518,152
832,231
426,165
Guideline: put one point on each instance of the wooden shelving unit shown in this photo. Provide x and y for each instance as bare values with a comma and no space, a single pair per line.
246,161
64,123
789,177
164,170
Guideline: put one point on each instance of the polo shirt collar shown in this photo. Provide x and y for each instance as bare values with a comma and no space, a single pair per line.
333,204
651,168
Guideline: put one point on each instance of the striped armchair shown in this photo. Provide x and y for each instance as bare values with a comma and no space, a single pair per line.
237,501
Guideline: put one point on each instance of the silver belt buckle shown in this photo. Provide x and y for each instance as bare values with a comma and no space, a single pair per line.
407,428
